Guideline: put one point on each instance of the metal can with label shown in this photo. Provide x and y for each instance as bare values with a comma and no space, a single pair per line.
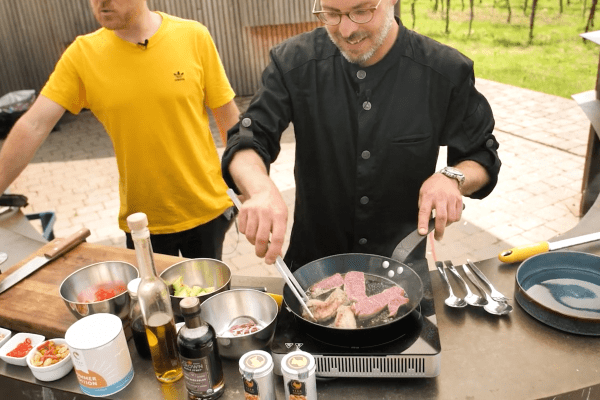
256,368
299,378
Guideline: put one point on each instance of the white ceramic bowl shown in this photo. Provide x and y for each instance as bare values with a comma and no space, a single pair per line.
51,372
13,342
6,335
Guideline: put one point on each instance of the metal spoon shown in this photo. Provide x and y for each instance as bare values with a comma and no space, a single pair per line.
492,306
3,257
471,298
495,294
452,300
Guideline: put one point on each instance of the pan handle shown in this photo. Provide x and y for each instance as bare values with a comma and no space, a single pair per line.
410,242
13,200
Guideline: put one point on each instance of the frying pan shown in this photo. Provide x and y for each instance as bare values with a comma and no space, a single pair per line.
318,270
392,269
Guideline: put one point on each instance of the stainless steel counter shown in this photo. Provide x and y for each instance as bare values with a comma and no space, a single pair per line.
483,356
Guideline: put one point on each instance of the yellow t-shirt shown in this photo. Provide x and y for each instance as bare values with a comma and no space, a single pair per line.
151,102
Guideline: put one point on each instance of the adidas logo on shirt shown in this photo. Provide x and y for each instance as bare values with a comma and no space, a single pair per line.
179,76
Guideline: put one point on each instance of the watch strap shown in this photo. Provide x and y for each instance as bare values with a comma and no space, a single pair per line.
453,173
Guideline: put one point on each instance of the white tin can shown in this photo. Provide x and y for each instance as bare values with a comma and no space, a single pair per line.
100,354
299,376
256,368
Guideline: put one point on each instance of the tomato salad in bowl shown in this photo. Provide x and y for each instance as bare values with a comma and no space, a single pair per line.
50,360
49,353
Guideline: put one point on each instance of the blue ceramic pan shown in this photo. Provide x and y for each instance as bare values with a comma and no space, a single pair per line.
561,289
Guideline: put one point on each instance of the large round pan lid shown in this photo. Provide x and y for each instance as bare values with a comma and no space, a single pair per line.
562,290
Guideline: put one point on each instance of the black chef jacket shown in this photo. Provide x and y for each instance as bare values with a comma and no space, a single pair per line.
366,137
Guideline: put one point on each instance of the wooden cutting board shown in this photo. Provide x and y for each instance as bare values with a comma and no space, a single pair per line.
34,304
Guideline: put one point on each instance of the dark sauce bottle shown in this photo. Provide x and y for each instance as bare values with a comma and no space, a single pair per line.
137,321
198,354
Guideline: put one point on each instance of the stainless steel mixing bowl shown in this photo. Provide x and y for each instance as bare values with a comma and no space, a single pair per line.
203,272
237,306
88,277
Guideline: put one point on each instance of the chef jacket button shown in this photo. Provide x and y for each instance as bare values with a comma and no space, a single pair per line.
364,200
362,241
361,74
366,155
246,122
489,143
367,105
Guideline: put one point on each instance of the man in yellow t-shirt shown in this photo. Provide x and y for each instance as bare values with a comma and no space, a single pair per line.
148,78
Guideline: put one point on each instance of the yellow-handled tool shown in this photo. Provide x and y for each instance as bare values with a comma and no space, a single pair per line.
520,253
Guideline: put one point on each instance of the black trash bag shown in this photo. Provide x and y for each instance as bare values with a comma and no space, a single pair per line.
12,106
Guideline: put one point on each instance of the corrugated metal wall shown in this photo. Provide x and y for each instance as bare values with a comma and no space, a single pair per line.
34,33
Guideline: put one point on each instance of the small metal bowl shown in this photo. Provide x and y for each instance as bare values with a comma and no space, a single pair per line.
238,306
92,275
204,272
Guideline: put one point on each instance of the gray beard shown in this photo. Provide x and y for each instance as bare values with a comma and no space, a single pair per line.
381,35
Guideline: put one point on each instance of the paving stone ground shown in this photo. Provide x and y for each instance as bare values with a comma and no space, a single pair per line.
543,141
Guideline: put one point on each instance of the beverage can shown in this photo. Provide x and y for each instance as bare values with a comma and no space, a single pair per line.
299,376
100,354
256,368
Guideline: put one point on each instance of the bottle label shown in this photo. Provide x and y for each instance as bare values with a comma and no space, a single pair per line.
197,374
250,387
297,389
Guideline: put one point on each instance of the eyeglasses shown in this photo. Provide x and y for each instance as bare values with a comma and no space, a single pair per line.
360,16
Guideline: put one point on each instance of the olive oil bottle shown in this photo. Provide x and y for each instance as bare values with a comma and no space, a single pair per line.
198,353
155,303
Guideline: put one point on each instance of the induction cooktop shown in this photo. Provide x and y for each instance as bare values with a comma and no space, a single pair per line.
416,351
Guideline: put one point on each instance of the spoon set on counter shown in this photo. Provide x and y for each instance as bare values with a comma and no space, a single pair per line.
493,302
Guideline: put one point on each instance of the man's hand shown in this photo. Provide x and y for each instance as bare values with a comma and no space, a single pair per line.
263,219
441,194
264,214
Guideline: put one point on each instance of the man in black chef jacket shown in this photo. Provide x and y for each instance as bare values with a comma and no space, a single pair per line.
371,103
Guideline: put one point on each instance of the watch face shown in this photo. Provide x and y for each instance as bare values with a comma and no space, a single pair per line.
454,173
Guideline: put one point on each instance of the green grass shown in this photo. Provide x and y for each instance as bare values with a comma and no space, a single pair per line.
557,61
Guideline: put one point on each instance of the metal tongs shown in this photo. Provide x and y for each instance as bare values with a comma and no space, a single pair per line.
283,269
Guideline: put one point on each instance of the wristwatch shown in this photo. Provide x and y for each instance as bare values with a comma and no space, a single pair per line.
453,173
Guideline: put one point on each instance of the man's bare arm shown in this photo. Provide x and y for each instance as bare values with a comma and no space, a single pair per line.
226,116
26,136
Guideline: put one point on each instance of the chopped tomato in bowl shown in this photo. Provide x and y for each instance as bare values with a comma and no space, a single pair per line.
15,351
